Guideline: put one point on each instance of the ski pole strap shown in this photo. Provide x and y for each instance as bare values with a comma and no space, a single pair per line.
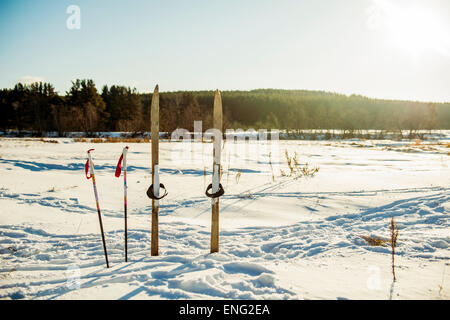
217,194
86,166
86,169
119,165
151,194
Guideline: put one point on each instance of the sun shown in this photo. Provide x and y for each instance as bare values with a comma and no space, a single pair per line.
413,27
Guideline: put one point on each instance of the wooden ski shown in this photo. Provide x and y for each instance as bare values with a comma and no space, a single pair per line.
155,168
217,146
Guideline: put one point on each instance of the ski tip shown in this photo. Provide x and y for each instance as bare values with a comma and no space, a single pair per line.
217,92
156,89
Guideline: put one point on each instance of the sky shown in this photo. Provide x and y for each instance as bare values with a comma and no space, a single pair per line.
391,49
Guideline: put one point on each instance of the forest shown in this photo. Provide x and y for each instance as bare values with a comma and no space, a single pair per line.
39,108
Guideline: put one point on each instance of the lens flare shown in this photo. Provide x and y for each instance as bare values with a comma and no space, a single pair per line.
415,28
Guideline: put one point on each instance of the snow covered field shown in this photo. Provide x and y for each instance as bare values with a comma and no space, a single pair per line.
282,239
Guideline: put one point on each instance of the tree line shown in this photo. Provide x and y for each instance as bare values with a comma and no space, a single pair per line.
39,108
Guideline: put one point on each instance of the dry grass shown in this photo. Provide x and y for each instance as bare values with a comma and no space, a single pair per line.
40,139
113,140
292,163
246,196
204,177
394,236
271,167
441,286
358,145
238,176
228,170
295,169
220,172
48,141
309,172
375,241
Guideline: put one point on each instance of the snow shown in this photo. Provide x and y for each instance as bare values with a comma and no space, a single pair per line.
283,239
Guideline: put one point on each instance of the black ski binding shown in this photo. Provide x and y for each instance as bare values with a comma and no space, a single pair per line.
151,194
217,194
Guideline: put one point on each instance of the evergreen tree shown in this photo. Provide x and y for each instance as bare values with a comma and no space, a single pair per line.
87,106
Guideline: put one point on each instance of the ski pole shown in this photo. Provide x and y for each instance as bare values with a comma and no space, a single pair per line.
89,167
123,158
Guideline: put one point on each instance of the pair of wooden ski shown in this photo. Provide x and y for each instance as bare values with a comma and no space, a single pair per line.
215,186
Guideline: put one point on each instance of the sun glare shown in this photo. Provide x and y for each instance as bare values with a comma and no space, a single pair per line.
413,27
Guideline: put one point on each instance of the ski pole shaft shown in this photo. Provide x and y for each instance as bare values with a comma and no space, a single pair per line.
91,168
125,150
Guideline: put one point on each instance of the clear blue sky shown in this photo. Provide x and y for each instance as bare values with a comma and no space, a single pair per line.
396,49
